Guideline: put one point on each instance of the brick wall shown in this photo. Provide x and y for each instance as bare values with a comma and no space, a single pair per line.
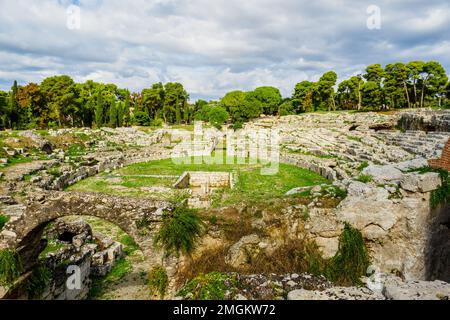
444,161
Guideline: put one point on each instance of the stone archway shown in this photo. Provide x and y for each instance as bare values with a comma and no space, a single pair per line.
139,218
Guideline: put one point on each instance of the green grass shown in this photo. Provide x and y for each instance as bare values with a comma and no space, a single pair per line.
76,150
354,138
364,178
130,246
18,160
250,185
363,165
52,246
3,220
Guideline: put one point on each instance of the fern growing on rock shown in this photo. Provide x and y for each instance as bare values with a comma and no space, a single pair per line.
180,231
351,261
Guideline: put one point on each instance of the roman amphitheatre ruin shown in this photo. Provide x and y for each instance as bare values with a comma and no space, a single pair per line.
97,199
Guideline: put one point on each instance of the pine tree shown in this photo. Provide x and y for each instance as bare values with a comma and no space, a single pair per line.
99,119
127,112
113,116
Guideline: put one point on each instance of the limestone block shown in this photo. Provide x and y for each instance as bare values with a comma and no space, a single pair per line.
416,182
417,290
336,293
382,174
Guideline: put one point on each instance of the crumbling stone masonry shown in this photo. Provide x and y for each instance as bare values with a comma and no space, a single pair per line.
444,161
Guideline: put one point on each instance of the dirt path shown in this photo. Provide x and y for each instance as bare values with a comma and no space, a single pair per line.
133,285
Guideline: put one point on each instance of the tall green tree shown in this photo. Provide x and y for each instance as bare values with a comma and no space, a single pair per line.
326,91
415,69
175,103
4,111
99,111
395,85
14,106
127,112
434,81
302,99
60,94
270,98
233,103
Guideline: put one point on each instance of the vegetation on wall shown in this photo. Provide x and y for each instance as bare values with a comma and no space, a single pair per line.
10,267
158,281
441,195
351,261
180,230
38,281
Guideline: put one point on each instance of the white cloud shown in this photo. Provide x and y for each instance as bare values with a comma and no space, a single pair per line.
214,46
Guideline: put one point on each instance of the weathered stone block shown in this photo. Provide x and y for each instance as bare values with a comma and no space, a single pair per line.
381,174
416,182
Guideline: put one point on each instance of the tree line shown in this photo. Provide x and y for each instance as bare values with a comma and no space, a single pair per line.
61,102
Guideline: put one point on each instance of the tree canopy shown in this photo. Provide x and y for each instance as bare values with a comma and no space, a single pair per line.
59,101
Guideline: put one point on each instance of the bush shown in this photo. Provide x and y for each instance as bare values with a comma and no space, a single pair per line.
237,125
3,220
217,117
141,118
351,261
158,281
10,267
287,108
157,123
211,286
179,231
38,282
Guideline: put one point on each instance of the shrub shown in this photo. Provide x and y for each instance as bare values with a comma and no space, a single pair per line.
237,125
157,123
351,261
211,286
158,281
217,117
3,220
179,231
141,118
38,282
10,267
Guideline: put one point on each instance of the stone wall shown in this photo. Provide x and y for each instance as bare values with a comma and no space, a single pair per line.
425,120
444,161
213,179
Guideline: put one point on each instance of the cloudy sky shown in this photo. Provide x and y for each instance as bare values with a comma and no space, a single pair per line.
214,46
